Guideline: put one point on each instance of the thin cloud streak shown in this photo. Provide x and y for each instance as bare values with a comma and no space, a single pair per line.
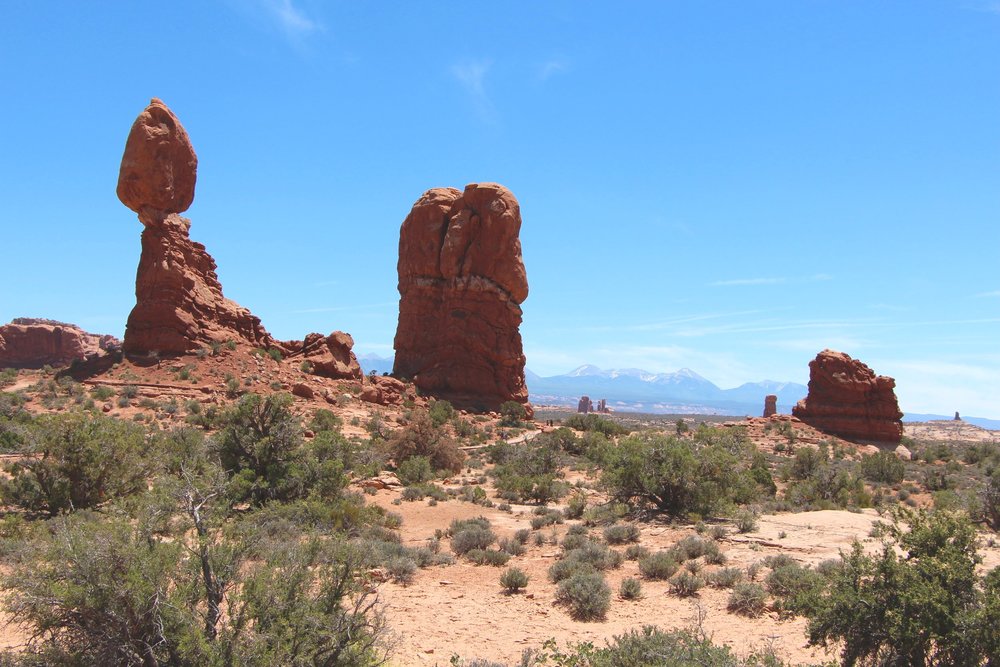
550,68
472,76
291,20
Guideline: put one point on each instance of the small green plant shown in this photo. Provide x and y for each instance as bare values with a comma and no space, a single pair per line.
686,584
630,589
586,594
622,533
306,366
513,580
660,565
747,599
745,521
401,569
726,577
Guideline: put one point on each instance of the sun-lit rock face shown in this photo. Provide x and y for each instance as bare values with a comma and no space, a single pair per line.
461,283
847,399
33,343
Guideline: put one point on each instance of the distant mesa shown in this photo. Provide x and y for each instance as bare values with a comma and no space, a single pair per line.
847,399
33,343
770,405
179,306
461,283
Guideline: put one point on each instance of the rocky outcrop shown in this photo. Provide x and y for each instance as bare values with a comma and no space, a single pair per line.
329,356
770,405
847,399
461,283
179,302
383,391
32,343
585,405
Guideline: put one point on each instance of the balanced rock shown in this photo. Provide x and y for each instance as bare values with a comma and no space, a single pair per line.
159,166
770,405
847,399
179,302
461,283
32,343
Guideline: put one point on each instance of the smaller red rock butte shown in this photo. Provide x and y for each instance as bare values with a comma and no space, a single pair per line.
461,283
770,405
847,399
179,306
32,343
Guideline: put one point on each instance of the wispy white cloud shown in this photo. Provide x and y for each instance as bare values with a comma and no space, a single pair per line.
988,295
290,19
818,277
747,281
550,68
472,77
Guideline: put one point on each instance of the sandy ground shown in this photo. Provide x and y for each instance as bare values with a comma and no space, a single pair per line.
461,609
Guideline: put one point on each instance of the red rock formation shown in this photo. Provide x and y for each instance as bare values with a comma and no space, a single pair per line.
33,343
330,356
383,391
159,166
847,399
461,283
585,405
770,405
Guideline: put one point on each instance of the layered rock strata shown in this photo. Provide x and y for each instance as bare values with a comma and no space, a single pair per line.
461,283
33,343
847,399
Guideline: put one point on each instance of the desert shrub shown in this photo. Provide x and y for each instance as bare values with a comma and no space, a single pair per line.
686,584
797,586
938,479
574,541
746,521
548,518
470,535
676,476
415,470
421,438
621,533
488,557
991,501
630,589
325,420
596,423
412,494
522,535
110,591
726,577
883,467
691,546
440,412
586,594
513,580
575,506
926,606
807,462
401,569
75,461
660,565
714,554
529,472
829,486
747,599
512,546
652,647
102,393
605,514
636,552
567,567
511,413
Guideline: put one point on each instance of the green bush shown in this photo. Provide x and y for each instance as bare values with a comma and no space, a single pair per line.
686,584
471,536
575,506
512,413
747,599
76,460
595,423
402,569
630,589
924,607
797,587
586,594
883,467
415,470
441,412
513,580
636,552
726,577
488,557
421,438
660,565
622,533
676,476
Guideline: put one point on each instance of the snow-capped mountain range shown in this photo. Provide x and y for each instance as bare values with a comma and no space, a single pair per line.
634,389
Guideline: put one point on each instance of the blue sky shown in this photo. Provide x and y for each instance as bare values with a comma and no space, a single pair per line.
729,186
